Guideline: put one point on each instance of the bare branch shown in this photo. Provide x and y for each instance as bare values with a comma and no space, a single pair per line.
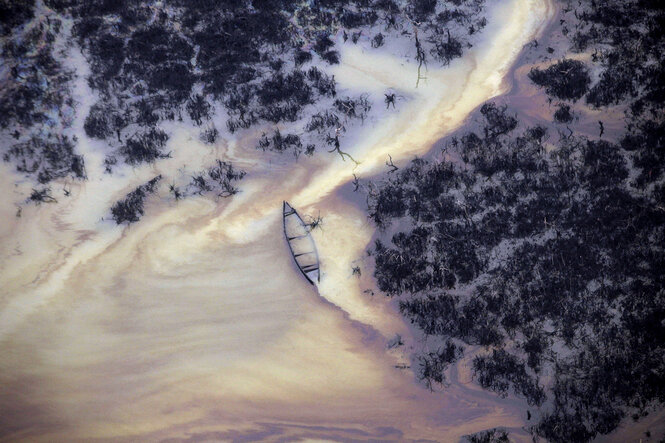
391,165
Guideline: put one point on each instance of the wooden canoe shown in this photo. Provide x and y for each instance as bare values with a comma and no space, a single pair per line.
301,244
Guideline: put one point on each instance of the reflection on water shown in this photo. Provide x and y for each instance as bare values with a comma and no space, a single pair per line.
195,323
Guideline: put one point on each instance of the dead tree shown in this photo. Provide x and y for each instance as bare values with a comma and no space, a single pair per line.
314,222
420,52
175,191
356,183
390,100
42,196
391,165
336,146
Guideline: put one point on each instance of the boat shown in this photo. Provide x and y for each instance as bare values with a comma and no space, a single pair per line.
301,244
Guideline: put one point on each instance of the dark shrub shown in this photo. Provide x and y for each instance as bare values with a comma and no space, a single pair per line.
563,114
130,208
14,13
145,147
566,80
332,57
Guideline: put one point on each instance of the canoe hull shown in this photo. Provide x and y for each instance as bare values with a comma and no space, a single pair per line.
301,244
